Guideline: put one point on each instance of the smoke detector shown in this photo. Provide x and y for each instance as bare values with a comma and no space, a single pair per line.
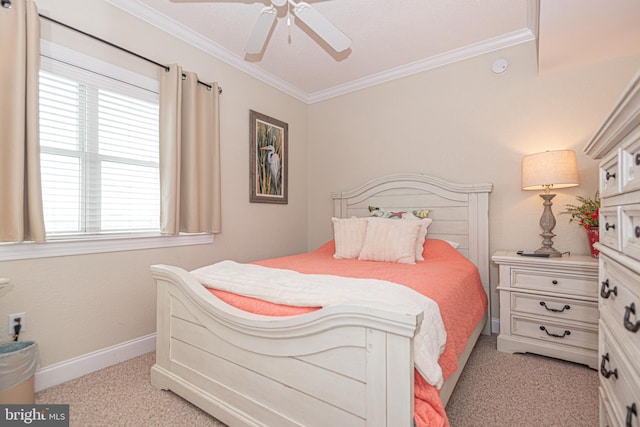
499,66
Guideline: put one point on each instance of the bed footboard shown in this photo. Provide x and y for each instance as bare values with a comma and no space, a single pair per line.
344,365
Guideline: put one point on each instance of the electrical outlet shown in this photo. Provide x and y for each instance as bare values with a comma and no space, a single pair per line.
12,322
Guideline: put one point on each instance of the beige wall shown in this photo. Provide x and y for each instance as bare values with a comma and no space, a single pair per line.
79,304
465,124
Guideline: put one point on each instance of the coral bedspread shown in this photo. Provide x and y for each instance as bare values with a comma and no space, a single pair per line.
445,276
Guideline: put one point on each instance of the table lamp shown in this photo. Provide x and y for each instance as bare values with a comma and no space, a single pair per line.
546,171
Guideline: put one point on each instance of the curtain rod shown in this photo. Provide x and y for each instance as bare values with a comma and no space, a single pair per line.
166,68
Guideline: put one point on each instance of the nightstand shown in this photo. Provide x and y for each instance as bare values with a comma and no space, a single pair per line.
549,306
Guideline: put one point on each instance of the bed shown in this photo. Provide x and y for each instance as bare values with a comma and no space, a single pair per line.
348,364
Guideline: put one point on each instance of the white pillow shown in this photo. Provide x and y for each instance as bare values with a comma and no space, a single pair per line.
348,234
424,224
391,241
419,214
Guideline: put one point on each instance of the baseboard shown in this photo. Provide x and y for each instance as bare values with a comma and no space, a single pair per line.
74,368
495,325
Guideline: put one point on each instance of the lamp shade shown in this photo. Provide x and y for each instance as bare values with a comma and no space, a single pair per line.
550,169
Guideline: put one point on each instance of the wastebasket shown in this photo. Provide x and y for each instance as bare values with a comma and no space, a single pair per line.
18,364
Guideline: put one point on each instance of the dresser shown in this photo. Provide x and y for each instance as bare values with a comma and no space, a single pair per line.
617,146
549,306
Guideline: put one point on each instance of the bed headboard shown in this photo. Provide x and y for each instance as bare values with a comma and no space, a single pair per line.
460,212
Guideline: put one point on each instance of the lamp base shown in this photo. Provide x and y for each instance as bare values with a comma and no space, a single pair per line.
552,252
548,222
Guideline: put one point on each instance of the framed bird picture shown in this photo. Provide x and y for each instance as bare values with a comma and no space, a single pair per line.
268,159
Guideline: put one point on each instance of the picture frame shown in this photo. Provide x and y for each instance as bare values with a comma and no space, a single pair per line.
269,159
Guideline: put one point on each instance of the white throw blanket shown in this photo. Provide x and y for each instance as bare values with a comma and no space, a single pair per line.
318,290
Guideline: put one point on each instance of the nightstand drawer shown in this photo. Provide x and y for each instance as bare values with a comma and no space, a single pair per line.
552,307
555,331
555,282
549,306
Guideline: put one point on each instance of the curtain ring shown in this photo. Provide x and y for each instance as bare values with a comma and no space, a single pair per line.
6,4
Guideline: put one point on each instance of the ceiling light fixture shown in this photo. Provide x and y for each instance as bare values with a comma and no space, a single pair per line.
307,14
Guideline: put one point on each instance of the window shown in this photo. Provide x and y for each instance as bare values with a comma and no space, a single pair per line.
99,160
99,153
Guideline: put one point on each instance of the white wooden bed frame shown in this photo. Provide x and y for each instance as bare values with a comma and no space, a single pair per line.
348,365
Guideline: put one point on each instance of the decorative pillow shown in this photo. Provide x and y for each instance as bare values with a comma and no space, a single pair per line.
419,213
410,214
391,241
421,238
348,234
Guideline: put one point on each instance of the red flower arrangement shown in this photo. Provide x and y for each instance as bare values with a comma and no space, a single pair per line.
586,214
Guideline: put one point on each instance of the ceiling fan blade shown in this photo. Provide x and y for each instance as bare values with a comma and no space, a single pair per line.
322,26
261,30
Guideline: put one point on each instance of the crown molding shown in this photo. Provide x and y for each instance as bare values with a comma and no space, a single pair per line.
165,23
450,57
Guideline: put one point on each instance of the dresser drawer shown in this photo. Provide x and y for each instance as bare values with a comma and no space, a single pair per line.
553,307
606,415
553,331
610,227
631,230
618,379
618,301
630,166
555,282
609,175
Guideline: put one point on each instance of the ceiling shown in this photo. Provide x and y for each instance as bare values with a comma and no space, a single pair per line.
392,39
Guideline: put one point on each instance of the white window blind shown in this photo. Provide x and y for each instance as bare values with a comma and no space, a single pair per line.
99,153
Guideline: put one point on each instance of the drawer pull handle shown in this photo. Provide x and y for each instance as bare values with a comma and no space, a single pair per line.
610,175
555,310
637,231
608,226
628,311
605,291
631,411
603,368
555,282
564,334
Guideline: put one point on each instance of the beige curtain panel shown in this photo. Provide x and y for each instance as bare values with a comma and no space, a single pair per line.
21,215
189,154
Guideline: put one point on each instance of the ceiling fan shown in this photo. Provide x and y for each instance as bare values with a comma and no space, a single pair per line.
303,11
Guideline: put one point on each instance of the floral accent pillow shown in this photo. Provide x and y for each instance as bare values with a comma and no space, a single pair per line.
419,213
